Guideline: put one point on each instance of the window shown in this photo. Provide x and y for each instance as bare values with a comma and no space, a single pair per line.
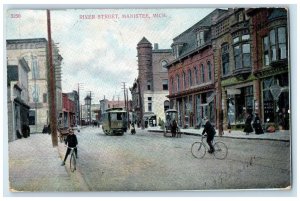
266,50
165,84
172,85
166,105
175,51
242,56
275,45
202,73
196,75
225,59
149,85
35,69
246,55
45,98
209,71
282,43
164,64
149,98
184,80
149,107
178,83
200,38
190,78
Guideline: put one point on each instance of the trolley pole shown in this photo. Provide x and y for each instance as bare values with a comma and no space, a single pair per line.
52,92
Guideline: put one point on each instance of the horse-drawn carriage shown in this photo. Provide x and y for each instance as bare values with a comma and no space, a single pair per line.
171,125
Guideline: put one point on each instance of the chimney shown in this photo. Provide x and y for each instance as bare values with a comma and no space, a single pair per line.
155,46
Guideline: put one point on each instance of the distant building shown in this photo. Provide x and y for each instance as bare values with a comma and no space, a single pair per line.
34,51
150,89
17,97
68,113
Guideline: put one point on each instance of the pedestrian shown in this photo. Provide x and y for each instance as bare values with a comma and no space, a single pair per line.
71,142
257,125
229,127
173,127
248,128
210,131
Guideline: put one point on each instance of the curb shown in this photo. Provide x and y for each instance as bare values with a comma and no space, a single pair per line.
233,137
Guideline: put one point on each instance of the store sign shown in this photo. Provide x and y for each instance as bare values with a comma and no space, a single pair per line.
233,91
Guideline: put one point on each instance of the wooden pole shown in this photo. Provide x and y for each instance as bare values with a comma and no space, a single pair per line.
52,91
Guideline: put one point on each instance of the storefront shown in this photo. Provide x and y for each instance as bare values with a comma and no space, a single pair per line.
239,102
275,99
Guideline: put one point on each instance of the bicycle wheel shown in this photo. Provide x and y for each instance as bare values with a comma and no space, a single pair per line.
221,150
198,150
73,162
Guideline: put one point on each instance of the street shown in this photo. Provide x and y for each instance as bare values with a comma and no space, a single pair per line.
151,162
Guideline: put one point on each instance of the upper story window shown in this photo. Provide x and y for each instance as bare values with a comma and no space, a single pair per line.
196,75
178,83
190,78
202,73
164,64
35,69
209,71
225,58
172,85
165,84
275,45
242,51
149,85
200,38
184,80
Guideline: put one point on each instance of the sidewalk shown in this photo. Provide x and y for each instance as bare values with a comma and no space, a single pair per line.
35,166
278,135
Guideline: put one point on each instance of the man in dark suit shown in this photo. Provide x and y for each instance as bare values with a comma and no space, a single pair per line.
209,129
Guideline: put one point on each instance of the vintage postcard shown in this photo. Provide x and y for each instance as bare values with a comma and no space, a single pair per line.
148,99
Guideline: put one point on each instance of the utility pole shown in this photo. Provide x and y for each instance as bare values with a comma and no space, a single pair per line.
125,102
78,108
52,104
219,98
141,104
127,109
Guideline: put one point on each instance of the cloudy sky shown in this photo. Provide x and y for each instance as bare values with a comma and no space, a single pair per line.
97,52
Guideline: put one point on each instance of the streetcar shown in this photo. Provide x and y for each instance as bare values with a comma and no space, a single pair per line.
114,121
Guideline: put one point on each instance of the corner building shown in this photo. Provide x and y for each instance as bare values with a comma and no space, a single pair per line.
192,74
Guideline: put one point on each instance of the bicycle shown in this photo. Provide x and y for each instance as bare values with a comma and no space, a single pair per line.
72,159
199,149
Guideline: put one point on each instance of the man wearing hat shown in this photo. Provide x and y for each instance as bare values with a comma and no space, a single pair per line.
209,129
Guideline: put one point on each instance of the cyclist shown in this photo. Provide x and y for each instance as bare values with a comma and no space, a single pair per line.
71,142
209,129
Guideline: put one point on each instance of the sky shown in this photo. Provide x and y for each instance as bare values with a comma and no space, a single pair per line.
98,46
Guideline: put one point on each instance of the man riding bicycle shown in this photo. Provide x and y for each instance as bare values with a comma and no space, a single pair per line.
71,142
209,129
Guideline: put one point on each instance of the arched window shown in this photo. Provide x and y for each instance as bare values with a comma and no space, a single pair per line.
166,105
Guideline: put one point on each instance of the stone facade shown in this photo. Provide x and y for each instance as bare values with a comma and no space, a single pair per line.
34,51
17,98
151,87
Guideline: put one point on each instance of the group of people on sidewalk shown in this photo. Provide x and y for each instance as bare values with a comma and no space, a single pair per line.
256,125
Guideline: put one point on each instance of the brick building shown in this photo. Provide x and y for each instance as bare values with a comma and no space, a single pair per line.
150,89
68,112
270,64
191,73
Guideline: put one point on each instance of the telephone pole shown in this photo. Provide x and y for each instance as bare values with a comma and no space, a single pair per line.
52,91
